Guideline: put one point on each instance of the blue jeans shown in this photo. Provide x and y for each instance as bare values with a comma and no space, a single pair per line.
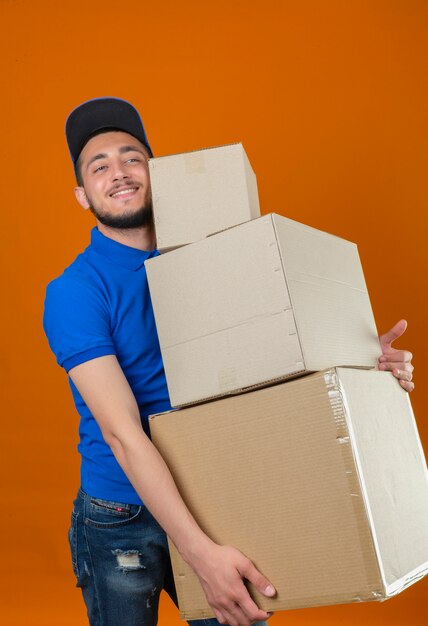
121,562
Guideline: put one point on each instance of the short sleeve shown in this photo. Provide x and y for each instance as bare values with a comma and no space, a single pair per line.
76,321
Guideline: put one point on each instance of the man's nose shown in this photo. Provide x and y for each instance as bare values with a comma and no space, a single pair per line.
119,172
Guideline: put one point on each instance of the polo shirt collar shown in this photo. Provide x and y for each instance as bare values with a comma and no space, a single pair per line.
128,257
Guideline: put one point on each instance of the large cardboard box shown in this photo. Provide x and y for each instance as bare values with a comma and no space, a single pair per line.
267,300
320,481
199,193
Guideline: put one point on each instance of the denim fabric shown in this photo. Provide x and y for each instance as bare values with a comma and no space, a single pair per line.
121,562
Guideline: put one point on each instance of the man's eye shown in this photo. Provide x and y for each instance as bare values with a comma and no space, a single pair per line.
100,167
133,159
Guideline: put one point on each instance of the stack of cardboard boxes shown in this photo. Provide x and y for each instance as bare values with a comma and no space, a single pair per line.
289,444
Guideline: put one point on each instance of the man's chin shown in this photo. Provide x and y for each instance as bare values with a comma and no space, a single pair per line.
138,219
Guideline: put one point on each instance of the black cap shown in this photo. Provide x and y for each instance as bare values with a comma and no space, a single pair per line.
99,114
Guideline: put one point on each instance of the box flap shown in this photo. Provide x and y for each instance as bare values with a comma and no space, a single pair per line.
329,297
392,470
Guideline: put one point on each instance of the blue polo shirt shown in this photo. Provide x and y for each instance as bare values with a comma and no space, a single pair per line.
101,305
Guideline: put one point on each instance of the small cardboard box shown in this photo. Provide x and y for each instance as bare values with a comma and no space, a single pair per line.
263,301
199,193
320,481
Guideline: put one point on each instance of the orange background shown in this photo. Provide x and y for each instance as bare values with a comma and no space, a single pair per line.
330,100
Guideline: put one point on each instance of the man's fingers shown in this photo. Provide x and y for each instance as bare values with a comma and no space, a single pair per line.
396,331
402,369
225,589
402,375
235,615
248,605
403,372
396,355
231,620
407,385
251,573
242,611
250,608
220,617
397,365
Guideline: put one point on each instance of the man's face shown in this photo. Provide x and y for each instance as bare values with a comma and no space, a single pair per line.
116,184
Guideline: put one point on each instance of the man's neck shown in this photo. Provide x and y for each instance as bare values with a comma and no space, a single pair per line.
142,238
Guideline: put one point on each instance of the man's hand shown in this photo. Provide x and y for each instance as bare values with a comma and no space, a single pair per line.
397,361
221,573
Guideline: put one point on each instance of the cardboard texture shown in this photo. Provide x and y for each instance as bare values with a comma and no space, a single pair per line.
199,193
320,481
263,301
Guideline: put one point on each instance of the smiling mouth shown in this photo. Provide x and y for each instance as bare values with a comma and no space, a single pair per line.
124,192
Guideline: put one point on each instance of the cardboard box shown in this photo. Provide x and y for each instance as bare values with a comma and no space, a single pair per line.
199,193
260,302
320,481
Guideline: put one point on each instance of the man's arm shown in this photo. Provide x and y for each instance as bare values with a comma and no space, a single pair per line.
220,569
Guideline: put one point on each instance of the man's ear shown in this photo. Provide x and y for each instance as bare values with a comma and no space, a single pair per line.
81,198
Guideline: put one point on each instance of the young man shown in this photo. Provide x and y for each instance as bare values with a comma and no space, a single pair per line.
100,325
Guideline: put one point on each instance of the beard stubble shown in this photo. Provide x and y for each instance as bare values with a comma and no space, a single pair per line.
141,217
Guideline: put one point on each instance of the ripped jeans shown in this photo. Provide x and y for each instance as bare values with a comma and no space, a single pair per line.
121,562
